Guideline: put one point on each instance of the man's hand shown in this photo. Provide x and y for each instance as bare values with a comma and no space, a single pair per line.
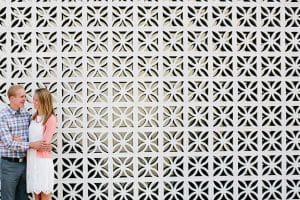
46,147
35,145
40,145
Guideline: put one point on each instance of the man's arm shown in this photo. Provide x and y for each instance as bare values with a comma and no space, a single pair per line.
38,145
7,138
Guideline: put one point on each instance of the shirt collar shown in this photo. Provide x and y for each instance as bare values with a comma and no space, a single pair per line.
14,112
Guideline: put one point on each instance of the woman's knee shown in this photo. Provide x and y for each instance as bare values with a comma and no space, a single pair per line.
45,196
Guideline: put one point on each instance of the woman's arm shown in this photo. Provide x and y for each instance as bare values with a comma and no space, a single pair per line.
49,129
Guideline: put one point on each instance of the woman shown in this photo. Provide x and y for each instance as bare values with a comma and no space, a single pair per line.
40,170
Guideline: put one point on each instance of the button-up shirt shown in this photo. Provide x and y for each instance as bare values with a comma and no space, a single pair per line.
14,123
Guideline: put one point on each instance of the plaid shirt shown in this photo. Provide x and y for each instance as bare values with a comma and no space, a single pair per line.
14,123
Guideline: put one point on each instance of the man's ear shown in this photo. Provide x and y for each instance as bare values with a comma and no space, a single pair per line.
11,98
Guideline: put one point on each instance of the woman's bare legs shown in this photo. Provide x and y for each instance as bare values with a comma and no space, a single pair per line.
37,196
45,196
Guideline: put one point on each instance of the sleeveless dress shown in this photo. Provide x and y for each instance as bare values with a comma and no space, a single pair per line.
40,171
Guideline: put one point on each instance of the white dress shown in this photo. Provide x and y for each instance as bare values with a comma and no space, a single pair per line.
40,171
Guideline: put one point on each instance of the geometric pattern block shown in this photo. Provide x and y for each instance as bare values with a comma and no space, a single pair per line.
163,99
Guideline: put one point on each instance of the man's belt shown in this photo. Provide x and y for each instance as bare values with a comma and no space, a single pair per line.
19,160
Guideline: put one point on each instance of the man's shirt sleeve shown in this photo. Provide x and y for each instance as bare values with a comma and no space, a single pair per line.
7,140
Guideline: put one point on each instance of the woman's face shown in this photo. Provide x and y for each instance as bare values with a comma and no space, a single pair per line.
35,102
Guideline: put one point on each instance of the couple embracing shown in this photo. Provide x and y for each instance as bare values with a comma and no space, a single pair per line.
25,146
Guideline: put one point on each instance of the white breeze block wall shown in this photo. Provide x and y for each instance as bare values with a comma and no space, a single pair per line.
175,100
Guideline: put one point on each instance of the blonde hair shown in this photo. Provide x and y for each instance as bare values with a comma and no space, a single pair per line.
13,89
45,104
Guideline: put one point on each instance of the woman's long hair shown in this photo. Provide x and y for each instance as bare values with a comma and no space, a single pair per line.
45,104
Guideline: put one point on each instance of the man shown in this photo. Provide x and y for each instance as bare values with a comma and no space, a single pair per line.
14,123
